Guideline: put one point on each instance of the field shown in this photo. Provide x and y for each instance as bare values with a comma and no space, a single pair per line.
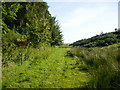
62,68
50,68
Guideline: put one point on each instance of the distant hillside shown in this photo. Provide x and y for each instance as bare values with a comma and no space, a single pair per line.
99,40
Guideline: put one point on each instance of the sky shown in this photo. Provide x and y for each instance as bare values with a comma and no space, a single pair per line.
84,19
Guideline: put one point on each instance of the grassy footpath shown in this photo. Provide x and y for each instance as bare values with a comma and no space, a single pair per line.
56,70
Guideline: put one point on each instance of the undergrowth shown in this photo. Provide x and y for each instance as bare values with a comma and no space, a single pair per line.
103,64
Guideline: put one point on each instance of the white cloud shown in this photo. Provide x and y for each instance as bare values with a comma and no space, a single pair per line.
83,15
84,20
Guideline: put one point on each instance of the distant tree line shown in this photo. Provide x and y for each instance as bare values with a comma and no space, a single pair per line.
99,40
29,23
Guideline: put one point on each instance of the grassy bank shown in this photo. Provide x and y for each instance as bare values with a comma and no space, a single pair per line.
103,64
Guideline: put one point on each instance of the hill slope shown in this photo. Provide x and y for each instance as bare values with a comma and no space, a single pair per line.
99,40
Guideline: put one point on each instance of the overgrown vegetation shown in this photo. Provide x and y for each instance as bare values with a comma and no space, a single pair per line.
27,24
103,64
33,55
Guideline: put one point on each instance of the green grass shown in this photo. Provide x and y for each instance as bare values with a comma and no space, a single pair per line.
44,68
103,64
48,67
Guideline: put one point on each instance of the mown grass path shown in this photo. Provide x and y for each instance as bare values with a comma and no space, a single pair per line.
55,71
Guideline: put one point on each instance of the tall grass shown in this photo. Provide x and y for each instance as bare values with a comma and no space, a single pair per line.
18,55
102,63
